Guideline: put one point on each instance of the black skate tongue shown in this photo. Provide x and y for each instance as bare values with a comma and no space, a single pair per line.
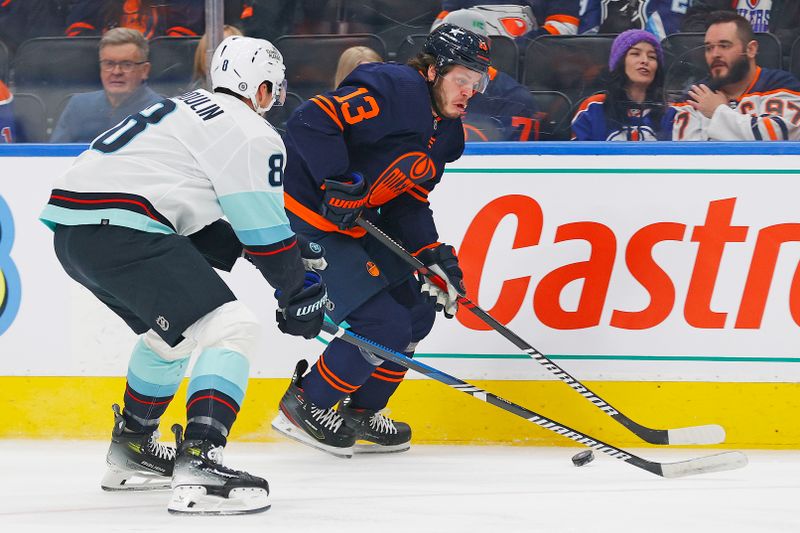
299,370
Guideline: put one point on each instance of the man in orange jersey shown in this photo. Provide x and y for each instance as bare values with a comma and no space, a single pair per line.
740,101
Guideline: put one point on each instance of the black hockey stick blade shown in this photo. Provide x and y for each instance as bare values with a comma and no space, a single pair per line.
702,465
707,434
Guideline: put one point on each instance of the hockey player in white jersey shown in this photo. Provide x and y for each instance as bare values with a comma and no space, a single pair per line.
138,221
741,101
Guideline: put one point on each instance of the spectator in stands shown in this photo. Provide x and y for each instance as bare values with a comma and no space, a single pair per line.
124,68
506,110
550,17
779,17
659,17
7,128
740,100
25,19
351,58
201,60
153,18
633,107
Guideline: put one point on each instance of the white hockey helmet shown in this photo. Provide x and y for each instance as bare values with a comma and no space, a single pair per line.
242,64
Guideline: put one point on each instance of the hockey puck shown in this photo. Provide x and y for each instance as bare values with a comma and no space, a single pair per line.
583,458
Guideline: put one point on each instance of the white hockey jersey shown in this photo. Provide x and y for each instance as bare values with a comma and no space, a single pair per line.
769,110
178,166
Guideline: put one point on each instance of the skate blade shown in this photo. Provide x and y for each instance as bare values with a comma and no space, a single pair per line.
127,480
193,499
371,447
284,426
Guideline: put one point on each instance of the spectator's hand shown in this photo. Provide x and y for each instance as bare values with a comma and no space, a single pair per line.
703,99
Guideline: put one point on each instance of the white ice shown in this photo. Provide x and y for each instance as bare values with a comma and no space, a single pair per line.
53,486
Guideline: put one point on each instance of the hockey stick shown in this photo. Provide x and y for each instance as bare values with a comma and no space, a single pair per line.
719,462
708,434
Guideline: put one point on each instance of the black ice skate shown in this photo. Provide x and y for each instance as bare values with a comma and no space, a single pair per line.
136,461
201,485
301,420
377,433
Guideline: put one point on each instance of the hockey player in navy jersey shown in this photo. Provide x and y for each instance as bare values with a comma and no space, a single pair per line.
740,100
375,147
121,216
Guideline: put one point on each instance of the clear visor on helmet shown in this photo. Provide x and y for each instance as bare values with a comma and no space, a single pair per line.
279,94
465,77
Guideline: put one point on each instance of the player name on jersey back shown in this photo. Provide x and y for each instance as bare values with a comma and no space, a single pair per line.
201,104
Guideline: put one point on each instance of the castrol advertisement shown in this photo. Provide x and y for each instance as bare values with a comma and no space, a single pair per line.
638,267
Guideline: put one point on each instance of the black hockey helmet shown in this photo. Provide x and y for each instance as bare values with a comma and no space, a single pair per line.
452,45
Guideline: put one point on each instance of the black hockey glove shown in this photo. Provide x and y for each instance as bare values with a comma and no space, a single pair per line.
344,200
442,260
312,254
301,314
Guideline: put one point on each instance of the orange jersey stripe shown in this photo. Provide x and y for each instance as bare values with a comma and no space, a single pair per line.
770,129
431,245
317,220
566,19
417,196
327,106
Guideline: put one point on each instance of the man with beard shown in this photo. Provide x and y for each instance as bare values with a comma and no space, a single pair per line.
375,147
740,101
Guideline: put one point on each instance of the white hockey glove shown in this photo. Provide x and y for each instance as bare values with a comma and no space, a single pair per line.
442,261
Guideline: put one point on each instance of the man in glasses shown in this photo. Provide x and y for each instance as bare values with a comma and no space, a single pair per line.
739,101
375,147
124,68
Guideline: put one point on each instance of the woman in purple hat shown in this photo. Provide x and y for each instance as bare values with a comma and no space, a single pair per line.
633,107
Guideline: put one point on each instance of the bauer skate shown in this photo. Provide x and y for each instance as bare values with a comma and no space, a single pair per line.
136,461
375,433
301,420
202,485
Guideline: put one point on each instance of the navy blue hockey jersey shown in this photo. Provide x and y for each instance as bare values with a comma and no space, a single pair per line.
659,17
590,123
378,122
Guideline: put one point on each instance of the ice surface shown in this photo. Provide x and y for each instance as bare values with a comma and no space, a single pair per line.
53,486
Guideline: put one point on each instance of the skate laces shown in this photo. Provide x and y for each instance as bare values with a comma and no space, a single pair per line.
327,417
380,423
162,451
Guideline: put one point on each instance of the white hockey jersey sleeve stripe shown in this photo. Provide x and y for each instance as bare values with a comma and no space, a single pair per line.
52,215
264,236
257,217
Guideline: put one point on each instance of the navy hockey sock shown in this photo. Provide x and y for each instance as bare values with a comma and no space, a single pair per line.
375,392
142,412
210,415
215,394
339,371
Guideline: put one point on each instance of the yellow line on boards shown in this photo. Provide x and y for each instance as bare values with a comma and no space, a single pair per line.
755,415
